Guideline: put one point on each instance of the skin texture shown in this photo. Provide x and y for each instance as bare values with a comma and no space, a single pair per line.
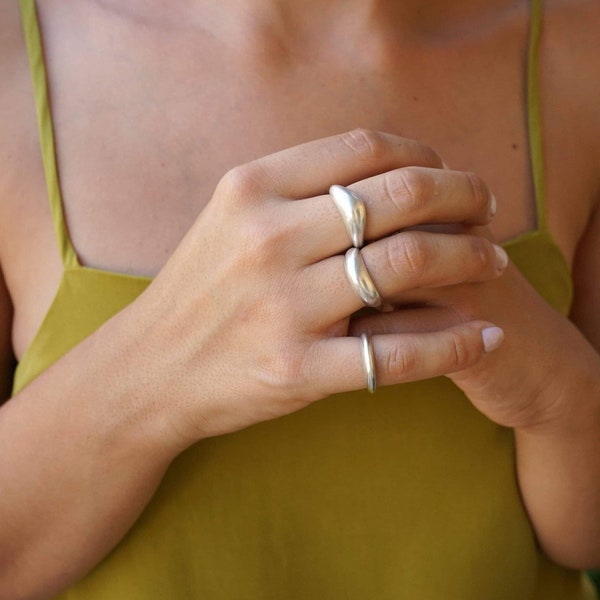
167,126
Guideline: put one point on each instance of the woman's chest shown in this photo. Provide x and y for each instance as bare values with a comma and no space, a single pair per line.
146,125
145,129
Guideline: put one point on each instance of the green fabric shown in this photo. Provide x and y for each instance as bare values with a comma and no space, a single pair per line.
410,493
38,71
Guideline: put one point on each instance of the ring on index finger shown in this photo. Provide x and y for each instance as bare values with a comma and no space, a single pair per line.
353,211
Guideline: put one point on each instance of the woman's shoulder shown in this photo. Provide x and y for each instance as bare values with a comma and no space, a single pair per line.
13,84
571,38
570,90
579,12
12,60
19,146
21,171
12,63
571,60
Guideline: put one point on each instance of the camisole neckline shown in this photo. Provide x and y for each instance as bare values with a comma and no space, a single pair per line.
68,253
51,168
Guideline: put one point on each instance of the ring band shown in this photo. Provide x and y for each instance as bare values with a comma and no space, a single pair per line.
368,362
359,278
353,211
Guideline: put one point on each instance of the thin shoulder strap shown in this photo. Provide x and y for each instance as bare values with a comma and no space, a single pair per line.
534,113
40,85
38,72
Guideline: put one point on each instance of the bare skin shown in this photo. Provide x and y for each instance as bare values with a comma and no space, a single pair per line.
179,174
131,195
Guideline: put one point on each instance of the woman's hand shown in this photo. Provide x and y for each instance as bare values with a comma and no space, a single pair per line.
542,382
526,386
521,384
249,319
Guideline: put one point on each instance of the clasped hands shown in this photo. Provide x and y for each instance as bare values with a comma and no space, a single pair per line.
260,318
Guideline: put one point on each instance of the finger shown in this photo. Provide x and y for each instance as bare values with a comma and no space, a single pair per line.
336,364
407,261
311,168
421,319
414,196
395,200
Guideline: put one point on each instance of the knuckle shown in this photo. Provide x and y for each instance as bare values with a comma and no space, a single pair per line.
428,156
460,354
407,255
480,250
402,361
479,191
285,375
409,189
264,240
242,183
285,371
366,143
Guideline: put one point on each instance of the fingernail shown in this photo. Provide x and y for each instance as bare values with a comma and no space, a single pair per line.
492,338
501,257
445,165
386,308
493,205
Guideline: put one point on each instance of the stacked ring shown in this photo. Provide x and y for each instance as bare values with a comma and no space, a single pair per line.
354,215
360,279
353,212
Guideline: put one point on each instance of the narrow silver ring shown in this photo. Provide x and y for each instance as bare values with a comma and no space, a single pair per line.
359,278
368,362
353,211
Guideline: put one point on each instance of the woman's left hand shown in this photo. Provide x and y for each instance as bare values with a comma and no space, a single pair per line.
523,383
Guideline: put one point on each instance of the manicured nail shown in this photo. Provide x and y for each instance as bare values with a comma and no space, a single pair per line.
501,257
493,205
386,308
492,338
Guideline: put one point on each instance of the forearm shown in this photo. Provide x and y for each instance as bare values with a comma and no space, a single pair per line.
559,475
81,453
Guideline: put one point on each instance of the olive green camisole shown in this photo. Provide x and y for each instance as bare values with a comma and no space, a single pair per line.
408,494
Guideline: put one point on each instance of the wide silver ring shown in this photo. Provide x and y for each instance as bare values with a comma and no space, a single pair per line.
359,278
368,362
353,211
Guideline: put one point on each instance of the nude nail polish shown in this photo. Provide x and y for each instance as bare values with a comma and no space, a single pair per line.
493,205
501,257
492,338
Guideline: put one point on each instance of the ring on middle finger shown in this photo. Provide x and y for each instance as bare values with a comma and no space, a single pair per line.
353,211
360,279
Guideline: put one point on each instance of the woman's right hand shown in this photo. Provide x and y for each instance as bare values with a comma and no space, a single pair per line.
248,320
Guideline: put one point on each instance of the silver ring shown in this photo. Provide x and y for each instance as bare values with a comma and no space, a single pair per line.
353,211
359,277
368,362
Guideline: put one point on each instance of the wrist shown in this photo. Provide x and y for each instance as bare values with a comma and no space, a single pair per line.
126,372
567,405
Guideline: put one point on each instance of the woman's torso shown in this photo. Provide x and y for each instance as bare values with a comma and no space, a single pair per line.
147,119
